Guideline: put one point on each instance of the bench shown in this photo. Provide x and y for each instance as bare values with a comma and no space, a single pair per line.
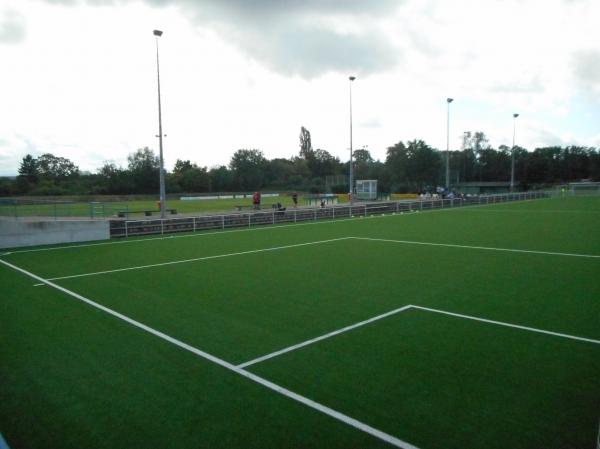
251,206
147,213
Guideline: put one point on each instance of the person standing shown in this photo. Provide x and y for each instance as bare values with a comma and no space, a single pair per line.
295,199
256,200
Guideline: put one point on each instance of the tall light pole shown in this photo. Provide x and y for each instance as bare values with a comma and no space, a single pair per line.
350,193
512,155
158,33
448,101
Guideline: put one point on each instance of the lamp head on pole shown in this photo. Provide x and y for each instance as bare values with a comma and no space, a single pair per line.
449,100
351,78
515,115
157,32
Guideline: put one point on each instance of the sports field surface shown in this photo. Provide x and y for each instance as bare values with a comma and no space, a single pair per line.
108,207
475,327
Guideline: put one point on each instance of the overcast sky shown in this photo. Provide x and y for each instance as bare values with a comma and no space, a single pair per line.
78,77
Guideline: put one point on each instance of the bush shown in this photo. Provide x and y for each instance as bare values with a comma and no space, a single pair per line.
339,188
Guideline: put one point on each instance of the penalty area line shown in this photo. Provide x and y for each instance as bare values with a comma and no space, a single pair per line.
402,309
196,259
247,374
483,248
322,337
502,323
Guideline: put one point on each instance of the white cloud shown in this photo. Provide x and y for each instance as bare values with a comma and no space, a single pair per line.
239,74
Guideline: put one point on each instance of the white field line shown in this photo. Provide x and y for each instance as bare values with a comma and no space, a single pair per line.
546,211
270,385
258,228
501,323
402,309
407,242
196,259
485,248
322,337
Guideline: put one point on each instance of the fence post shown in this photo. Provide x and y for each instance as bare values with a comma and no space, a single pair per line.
55,211
315,215
162,226
333,212
126,234
294,216
249,220
273,216
222,221
194,224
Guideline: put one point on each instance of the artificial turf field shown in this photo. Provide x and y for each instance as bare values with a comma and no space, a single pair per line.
476,327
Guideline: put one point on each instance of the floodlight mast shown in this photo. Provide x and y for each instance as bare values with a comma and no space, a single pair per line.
512,155
351,179
448,101
159,33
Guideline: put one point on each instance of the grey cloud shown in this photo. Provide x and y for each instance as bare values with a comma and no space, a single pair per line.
291,37
586,70
12,27
309,52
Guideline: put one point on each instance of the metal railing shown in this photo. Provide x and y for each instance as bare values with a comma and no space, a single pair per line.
129,228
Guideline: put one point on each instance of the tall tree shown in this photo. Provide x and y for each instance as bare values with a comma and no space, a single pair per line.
29,169
56,168
248,168
143,166
306,149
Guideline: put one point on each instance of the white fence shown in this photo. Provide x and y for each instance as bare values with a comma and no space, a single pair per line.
128,228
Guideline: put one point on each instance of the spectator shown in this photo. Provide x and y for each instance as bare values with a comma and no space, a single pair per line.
256,200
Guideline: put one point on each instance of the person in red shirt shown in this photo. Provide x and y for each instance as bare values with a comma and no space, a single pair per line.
256,200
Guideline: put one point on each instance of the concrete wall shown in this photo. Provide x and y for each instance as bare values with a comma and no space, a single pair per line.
17,233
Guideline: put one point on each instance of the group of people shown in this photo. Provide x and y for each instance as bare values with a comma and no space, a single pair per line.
442,195
257,197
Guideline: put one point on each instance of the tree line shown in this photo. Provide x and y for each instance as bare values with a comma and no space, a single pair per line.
412,166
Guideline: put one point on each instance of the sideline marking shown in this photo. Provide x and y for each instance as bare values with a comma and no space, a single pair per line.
372,239
486,248
264,382
501,323
196,259
322,337
543,211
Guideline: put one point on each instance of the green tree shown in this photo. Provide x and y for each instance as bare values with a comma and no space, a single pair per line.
423,165
220,179
190,178
56,168
143,166
29,169
248,167
396,162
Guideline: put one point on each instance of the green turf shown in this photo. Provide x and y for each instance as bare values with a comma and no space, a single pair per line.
135,208
74,376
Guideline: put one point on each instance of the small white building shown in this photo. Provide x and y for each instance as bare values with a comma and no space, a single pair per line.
366,189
